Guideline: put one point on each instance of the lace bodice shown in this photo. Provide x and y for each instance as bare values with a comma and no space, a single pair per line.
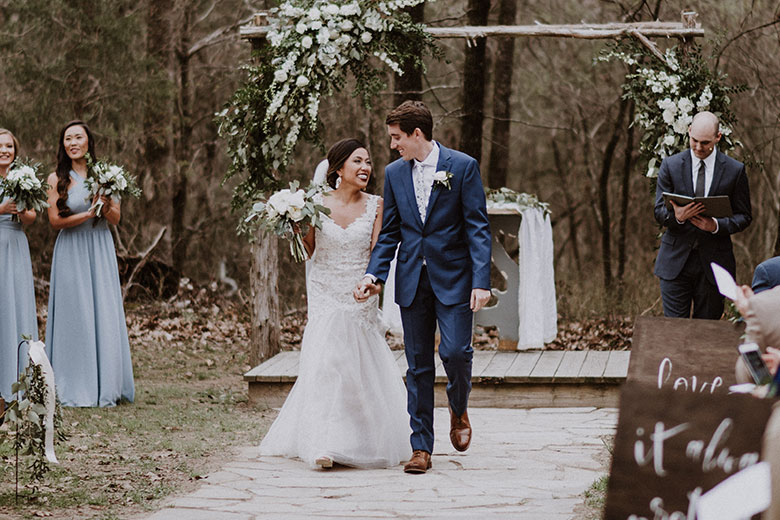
339,262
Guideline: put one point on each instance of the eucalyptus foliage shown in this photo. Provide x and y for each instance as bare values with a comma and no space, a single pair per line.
504,198
313,45
668,93
25,421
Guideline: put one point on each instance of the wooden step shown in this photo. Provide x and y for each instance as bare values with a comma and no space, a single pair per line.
523,379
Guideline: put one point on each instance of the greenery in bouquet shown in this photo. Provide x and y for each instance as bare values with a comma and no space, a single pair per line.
668,93
289,213
505,198
312,47
25,188
110,180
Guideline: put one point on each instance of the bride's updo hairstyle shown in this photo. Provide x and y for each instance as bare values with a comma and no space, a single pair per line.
338,155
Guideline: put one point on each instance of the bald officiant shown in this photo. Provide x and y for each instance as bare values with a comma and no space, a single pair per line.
692,240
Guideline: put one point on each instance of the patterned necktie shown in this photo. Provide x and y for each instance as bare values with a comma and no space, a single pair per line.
700,181
419,189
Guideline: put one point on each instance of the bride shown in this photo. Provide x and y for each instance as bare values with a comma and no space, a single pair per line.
348,405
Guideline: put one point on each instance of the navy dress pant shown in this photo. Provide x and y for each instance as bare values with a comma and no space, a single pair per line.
455,327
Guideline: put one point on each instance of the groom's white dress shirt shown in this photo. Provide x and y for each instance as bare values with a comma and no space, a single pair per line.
422,178
422,174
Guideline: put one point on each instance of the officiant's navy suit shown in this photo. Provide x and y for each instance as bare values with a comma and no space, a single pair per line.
440,261
686,248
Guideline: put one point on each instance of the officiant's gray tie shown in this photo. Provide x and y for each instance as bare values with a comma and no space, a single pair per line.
700,181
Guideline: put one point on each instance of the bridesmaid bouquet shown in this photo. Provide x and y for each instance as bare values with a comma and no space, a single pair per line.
109,180
24,187
289,213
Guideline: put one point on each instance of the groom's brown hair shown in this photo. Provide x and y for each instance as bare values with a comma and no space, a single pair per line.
410,115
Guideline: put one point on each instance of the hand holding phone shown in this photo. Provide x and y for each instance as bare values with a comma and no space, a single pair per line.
751,354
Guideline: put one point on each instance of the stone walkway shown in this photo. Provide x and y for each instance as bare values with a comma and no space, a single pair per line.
528,464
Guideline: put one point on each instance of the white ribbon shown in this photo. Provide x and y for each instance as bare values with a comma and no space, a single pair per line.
38,356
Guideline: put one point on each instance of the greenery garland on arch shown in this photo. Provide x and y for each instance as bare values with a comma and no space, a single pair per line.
312,47
668,93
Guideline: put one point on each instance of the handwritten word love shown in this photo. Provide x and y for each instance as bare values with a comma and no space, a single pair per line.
665,372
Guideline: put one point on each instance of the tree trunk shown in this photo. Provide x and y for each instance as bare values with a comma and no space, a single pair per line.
571,205
156,158
264,287
502,94
776,251
606,166
474,83
628,164
409,84
264,277
183,147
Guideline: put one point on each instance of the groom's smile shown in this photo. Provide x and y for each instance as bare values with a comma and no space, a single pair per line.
410,146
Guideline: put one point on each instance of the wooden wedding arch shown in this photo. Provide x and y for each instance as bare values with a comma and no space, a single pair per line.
264,274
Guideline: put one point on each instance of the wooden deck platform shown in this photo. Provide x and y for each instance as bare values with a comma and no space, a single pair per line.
528,379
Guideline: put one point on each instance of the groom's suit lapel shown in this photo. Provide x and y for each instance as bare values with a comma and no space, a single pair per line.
445,161
408,188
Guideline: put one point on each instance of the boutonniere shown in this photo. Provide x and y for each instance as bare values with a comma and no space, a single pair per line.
442,178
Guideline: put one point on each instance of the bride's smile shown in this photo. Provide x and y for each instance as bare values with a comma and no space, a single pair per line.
357,169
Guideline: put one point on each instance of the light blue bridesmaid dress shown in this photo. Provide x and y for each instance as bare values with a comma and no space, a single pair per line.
17,301
86,334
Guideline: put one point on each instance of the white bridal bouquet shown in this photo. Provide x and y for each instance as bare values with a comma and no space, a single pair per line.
24,187
289,213
110,180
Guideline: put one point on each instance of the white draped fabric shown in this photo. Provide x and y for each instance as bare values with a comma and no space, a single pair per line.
536,295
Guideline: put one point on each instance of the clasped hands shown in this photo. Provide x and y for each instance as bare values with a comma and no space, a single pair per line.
692,212
367,288
107,204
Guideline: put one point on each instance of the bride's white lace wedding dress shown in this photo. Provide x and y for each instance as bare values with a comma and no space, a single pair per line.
349,401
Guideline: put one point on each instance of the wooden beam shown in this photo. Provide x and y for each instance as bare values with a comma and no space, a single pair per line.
583,31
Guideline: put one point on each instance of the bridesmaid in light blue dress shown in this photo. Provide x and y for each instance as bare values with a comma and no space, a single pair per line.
86,333
17,295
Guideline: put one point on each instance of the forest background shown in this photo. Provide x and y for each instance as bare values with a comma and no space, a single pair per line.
149,76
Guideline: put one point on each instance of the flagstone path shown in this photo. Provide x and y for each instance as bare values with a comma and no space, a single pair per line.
532,464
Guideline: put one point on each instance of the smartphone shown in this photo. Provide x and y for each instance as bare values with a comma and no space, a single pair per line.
751,354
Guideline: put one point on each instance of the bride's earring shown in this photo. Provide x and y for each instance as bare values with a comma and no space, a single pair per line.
338,182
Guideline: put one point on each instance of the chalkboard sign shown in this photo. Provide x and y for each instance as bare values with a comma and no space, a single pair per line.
672,446
695,356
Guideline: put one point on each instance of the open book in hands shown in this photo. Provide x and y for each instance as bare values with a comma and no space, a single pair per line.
717,206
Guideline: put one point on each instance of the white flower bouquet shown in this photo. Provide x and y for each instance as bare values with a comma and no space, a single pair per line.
289,213
24,187
110,180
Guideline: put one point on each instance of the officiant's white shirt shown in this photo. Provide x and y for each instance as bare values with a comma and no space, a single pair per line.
709,169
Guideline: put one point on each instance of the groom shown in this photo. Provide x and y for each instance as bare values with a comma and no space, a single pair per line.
434,206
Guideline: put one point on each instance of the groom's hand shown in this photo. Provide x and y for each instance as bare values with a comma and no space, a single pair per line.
479,298
364,289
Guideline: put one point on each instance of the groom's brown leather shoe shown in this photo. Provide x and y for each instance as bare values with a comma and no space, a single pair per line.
460,431
420,463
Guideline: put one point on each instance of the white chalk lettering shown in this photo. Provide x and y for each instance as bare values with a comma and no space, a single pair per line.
684,383
713,455
659,513
656,452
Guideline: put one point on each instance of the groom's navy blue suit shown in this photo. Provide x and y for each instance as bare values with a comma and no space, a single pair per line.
454,243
